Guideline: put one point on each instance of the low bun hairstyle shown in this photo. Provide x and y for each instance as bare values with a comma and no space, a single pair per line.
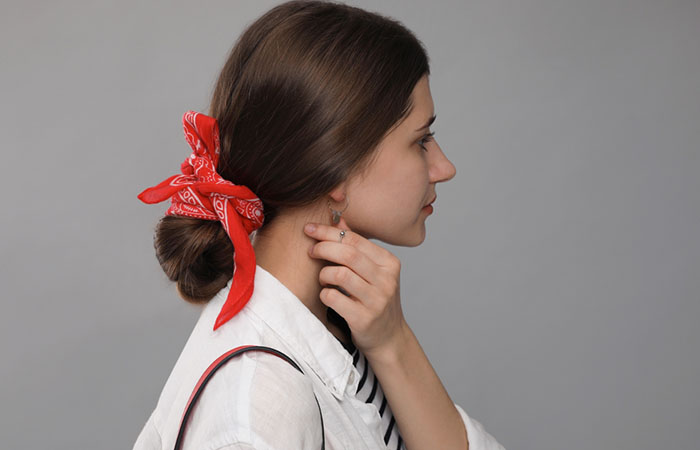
307,93
195,253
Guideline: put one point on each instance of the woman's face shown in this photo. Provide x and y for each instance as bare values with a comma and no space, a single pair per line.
387,202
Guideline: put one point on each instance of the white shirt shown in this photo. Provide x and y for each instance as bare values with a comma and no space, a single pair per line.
259,401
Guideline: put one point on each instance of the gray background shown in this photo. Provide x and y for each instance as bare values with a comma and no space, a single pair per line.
557,291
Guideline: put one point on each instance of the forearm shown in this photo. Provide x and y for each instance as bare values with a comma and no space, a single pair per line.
424,412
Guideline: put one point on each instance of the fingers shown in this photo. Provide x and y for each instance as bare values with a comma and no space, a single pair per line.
347,281
374,252
346,307
364,270
346,255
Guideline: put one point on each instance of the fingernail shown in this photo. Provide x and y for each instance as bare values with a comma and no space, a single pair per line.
310,228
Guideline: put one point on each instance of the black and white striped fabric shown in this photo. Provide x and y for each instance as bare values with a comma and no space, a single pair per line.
370,391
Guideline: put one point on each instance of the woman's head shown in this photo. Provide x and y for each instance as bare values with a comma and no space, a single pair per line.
387,199
314,102
306,95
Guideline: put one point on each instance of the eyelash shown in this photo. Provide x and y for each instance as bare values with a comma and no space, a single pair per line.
426,138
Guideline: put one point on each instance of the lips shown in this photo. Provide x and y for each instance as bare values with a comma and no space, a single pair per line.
431,201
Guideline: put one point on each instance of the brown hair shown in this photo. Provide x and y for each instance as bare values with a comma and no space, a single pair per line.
307,93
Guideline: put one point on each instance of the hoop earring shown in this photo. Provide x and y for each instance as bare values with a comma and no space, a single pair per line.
336,214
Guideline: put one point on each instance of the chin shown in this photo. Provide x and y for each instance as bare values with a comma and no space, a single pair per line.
410,238
410,235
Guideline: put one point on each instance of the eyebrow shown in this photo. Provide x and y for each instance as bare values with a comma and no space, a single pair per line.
428,123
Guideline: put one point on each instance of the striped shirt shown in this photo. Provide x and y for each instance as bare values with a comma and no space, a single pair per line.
370,391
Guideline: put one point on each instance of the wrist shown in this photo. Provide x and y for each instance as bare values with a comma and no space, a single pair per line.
390,353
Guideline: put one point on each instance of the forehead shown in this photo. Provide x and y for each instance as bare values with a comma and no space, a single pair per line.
422,106
422,109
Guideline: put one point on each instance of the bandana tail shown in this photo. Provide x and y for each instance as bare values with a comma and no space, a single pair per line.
243,268
161,191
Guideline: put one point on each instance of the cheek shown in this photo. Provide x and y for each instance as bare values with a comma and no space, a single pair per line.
377,201
401,197
397,184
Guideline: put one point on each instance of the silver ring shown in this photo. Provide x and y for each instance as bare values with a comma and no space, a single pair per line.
342,235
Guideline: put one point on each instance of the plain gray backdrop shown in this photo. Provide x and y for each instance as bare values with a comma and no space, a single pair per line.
557,292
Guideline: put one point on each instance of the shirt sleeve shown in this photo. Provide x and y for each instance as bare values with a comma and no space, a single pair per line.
276,410
479,438
284,412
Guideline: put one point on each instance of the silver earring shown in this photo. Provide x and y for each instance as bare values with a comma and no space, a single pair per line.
336,214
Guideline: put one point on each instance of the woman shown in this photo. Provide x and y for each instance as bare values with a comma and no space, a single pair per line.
320,116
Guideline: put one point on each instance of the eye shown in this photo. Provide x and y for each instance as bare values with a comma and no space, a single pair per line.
427,138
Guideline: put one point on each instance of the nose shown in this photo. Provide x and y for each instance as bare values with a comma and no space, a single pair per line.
441,168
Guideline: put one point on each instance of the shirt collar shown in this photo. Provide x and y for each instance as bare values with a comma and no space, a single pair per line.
300,329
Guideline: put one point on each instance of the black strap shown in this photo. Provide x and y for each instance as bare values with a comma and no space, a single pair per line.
195,395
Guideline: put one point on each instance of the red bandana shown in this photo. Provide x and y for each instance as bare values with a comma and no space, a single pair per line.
201,192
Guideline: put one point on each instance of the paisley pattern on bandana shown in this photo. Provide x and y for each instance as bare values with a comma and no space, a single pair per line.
200,192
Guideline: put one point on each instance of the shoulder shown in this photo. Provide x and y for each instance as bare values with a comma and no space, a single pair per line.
257,398
284,411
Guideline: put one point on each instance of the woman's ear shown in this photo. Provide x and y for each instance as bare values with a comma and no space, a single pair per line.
338,195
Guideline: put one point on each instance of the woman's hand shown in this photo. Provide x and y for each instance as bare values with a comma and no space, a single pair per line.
369,274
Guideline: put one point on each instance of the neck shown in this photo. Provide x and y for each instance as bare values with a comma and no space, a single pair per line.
281,248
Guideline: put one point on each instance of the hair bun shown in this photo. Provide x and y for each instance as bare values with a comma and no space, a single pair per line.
197,254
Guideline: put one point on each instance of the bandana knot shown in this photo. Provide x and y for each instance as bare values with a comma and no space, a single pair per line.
200,192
